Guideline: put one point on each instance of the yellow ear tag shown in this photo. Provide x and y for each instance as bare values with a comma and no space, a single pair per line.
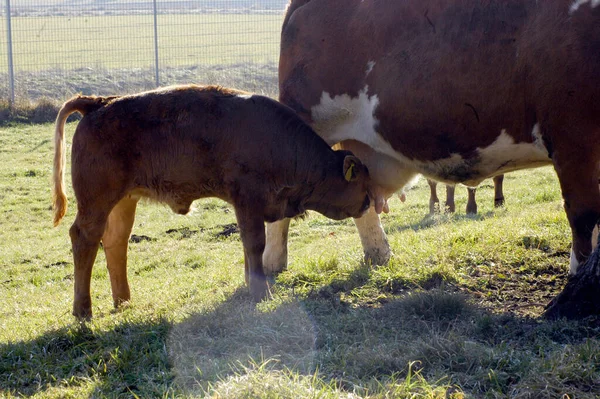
348,174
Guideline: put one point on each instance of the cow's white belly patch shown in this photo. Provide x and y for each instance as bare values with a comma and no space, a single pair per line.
502,156
578,3
343,117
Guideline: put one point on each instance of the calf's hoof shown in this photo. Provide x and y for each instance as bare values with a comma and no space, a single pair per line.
259,289
499,202
120,302
82,313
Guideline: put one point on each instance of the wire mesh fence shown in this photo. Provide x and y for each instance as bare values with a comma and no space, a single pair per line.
57,48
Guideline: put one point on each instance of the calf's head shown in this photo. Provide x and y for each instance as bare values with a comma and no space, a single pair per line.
345,192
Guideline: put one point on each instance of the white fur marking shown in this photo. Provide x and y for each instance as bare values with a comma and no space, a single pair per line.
494,157
573,264
370,66
353,118
578,3
245,96
492,161
342,117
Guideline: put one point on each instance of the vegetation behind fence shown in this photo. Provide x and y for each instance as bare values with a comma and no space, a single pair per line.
62,47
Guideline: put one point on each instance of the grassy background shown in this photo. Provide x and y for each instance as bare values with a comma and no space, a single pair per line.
456,312
126,41
56,57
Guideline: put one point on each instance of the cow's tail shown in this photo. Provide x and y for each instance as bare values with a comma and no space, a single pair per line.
292,6
83,105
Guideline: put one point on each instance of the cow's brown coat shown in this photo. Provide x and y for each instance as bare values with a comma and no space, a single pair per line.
449,76
179,144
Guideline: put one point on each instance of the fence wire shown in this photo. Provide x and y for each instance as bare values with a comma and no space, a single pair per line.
64,47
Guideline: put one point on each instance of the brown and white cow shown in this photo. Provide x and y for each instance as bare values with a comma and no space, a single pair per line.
456,90
178,144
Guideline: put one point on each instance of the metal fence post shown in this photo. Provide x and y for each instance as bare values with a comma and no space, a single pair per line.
11,73
155,44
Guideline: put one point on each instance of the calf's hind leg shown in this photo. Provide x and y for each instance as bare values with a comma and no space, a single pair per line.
85,233
115,241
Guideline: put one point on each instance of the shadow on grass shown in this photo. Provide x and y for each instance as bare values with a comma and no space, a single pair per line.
112,361
445,336
434,220
237,335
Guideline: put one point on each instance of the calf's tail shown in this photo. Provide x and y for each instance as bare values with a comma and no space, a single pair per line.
83,105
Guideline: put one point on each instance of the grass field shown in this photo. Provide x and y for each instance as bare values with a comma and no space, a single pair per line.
456,312
126,41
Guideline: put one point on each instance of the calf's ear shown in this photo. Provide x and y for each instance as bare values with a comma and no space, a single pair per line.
352,166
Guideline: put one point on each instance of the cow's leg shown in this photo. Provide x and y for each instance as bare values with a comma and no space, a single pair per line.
246,268
578,176
252,232
389,176
275,254
471,203
85,233
450,206
434,201
373,238
115,241
498,191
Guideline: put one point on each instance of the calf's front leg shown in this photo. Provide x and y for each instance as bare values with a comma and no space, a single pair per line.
252,231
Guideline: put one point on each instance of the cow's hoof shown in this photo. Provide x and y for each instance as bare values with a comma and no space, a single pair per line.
377,256
273,268
274,261
434,207
471,210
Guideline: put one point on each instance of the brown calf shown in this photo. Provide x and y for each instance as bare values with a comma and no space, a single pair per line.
178,144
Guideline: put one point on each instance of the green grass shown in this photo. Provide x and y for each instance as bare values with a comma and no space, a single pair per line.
456,312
